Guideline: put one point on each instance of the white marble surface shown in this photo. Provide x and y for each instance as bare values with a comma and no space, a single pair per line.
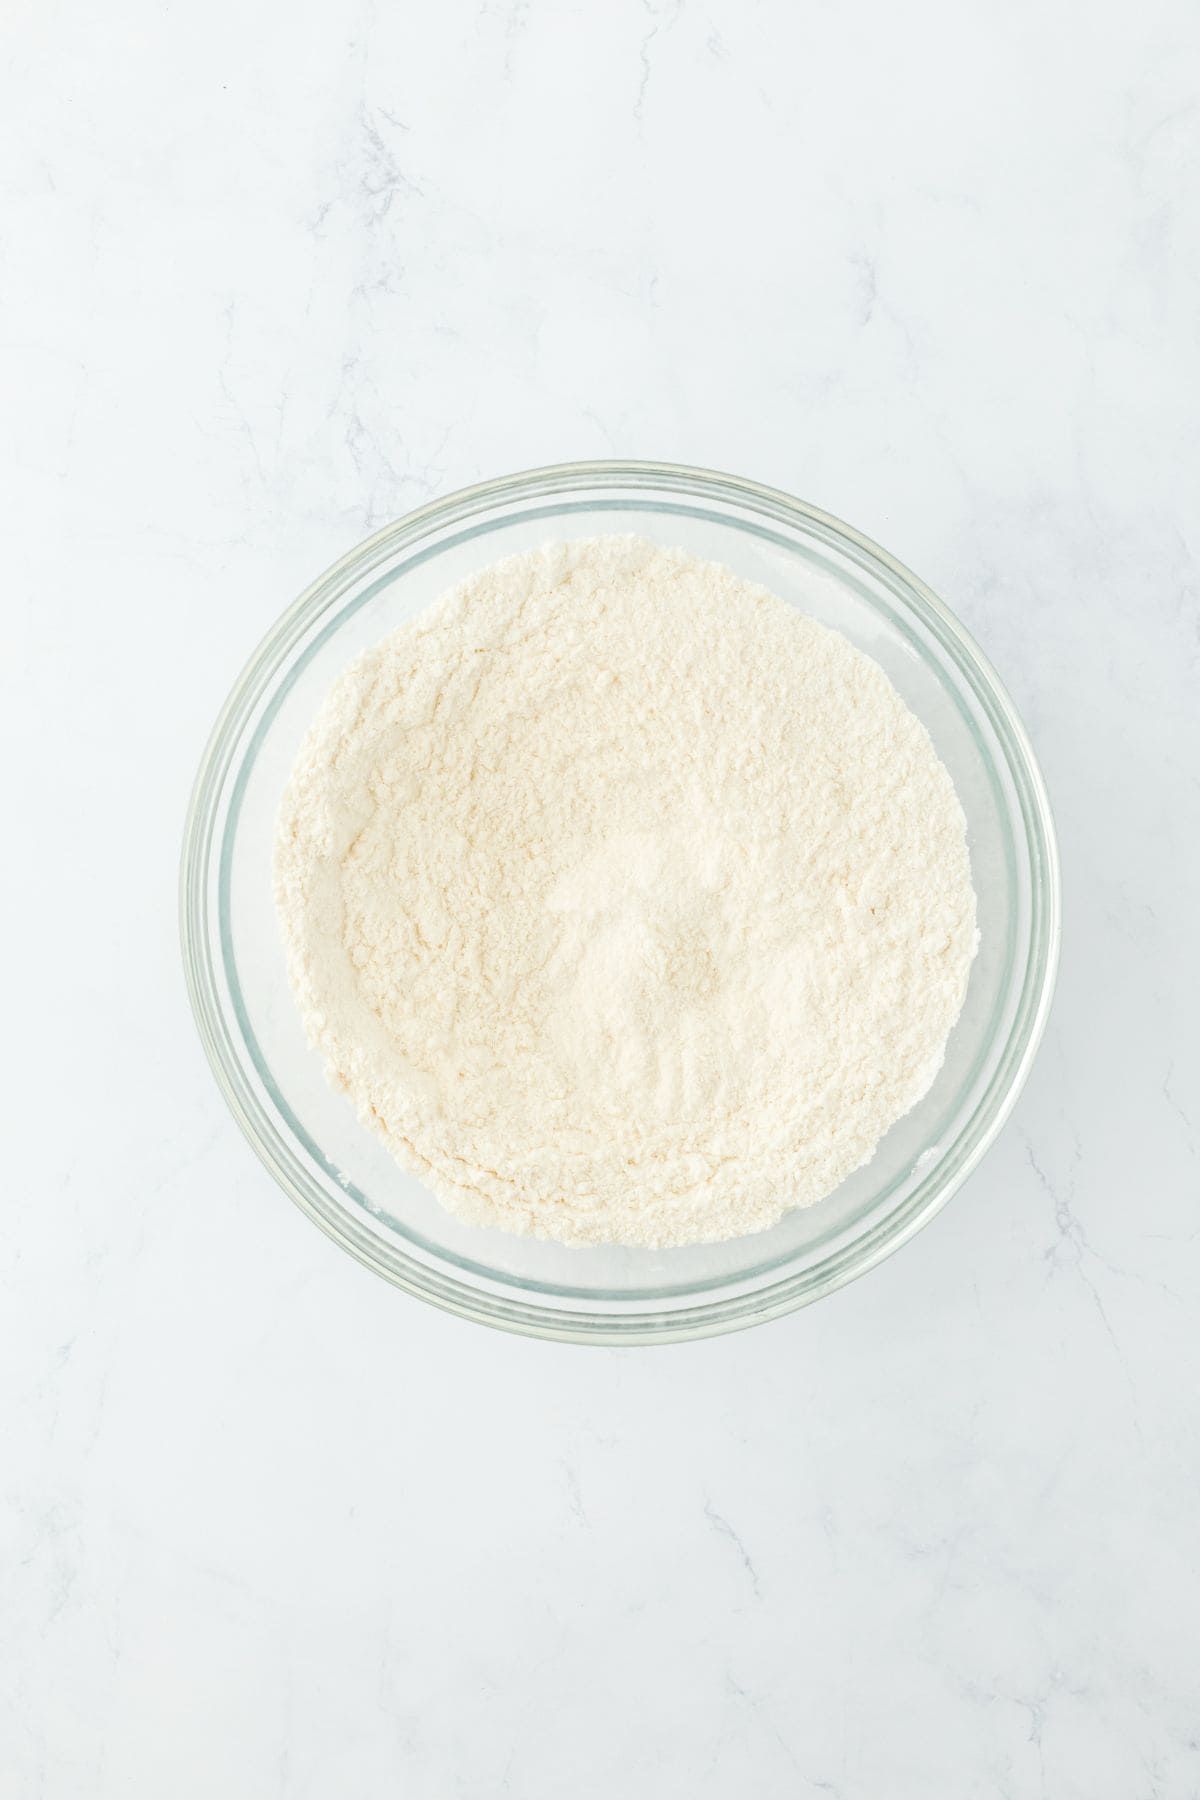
274,274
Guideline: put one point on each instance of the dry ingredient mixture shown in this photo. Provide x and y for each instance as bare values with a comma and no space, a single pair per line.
627,904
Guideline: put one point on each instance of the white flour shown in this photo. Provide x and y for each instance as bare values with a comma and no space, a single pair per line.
627,904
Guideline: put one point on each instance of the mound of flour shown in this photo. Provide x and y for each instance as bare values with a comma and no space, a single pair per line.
626,904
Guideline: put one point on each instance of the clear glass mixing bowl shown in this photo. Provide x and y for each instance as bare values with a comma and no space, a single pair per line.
308,1135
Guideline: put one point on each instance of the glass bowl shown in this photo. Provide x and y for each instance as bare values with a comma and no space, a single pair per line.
308,1135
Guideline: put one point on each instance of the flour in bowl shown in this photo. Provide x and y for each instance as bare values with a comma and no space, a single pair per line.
627,904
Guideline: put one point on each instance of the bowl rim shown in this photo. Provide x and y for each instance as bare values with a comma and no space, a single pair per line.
516,1312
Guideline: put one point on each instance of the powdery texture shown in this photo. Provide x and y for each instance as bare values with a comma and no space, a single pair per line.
627,904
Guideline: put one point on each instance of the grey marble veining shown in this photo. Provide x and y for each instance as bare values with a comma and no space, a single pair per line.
275,275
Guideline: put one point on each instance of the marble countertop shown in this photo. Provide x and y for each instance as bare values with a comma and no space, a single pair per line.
276,274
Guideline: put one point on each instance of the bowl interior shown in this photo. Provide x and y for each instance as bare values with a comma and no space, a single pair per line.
309,1134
